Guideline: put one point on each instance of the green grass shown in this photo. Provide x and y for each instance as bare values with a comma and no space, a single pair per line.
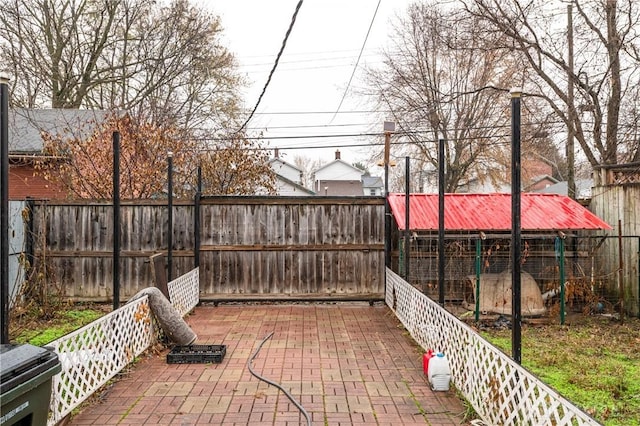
595,365
41,333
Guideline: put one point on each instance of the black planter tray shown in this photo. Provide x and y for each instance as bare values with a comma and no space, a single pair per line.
196,354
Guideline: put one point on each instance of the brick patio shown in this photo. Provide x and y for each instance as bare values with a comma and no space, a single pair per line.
347,364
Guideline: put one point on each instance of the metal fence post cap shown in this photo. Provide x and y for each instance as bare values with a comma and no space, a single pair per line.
4,78
516,92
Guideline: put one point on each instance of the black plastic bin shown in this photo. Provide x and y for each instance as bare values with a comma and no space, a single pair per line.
25,386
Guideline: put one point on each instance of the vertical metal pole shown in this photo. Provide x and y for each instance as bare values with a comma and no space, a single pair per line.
196,221
516,309
562,280
170,216
407,212
638,305
478,266
387,209
620,272
116,220
4,206
441,189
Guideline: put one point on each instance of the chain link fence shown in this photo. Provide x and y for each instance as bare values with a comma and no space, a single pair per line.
478,268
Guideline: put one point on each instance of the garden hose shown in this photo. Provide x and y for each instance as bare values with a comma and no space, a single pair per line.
291,398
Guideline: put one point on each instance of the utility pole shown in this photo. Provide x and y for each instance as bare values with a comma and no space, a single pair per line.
570,152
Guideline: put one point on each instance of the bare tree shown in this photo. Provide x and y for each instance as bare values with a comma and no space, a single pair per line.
308,166
163,63
440,83
604,72
85,158
238,166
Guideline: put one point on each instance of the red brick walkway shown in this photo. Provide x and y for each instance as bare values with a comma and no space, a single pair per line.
347,364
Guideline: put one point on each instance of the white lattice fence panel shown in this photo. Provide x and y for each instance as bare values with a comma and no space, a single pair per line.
93,354
500,390
184,291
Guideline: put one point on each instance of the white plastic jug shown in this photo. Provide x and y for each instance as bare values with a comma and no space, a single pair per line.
439,373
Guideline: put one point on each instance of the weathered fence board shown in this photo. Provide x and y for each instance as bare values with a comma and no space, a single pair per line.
250,246
616,196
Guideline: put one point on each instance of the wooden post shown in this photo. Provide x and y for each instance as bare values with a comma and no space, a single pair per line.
158,266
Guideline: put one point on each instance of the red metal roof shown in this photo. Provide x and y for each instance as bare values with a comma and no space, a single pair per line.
492,212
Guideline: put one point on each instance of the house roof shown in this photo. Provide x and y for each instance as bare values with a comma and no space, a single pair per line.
340,187
281,161
583,188
294,185
338,161
540,179
492,212
26,125
372,182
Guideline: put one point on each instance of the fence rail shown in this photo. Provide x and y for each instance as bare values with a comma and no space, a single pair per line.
92,355
500,390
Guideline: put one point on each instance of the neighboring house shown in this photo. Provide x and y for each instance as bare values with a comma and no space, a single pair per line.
540,182
340,187
288,177
583,189
337,170
284,169
285,186
372,185
26,146
477,186
341,178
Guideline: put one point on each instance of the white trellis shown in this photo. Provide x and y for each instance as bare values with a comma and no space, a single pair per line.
501,391
92,355
184,291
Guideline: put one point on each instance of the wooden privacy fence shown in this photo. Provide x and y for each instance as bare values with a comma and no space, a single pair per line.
250,247
616,199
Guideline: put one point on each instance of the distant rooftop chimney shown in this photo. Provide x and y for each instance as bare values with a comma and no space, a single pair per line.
337,154
276,152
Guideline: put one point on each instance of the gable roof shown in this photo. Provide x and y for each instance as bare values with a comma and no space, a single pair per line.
539,180
295,186
372,182
284,163
583,188
492,212
26,125
338,161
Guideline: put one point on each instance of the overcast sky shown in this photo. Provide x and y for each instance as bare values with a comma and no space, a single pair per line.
314,69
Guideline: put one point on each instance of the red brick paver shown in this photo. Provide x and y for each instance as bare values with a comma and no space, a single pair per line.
347,364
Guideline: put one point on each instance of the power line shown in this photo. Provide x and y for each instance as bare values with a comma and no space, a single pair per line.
319,112
275,65
343,145
346,135
344,95
308,126
322,136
